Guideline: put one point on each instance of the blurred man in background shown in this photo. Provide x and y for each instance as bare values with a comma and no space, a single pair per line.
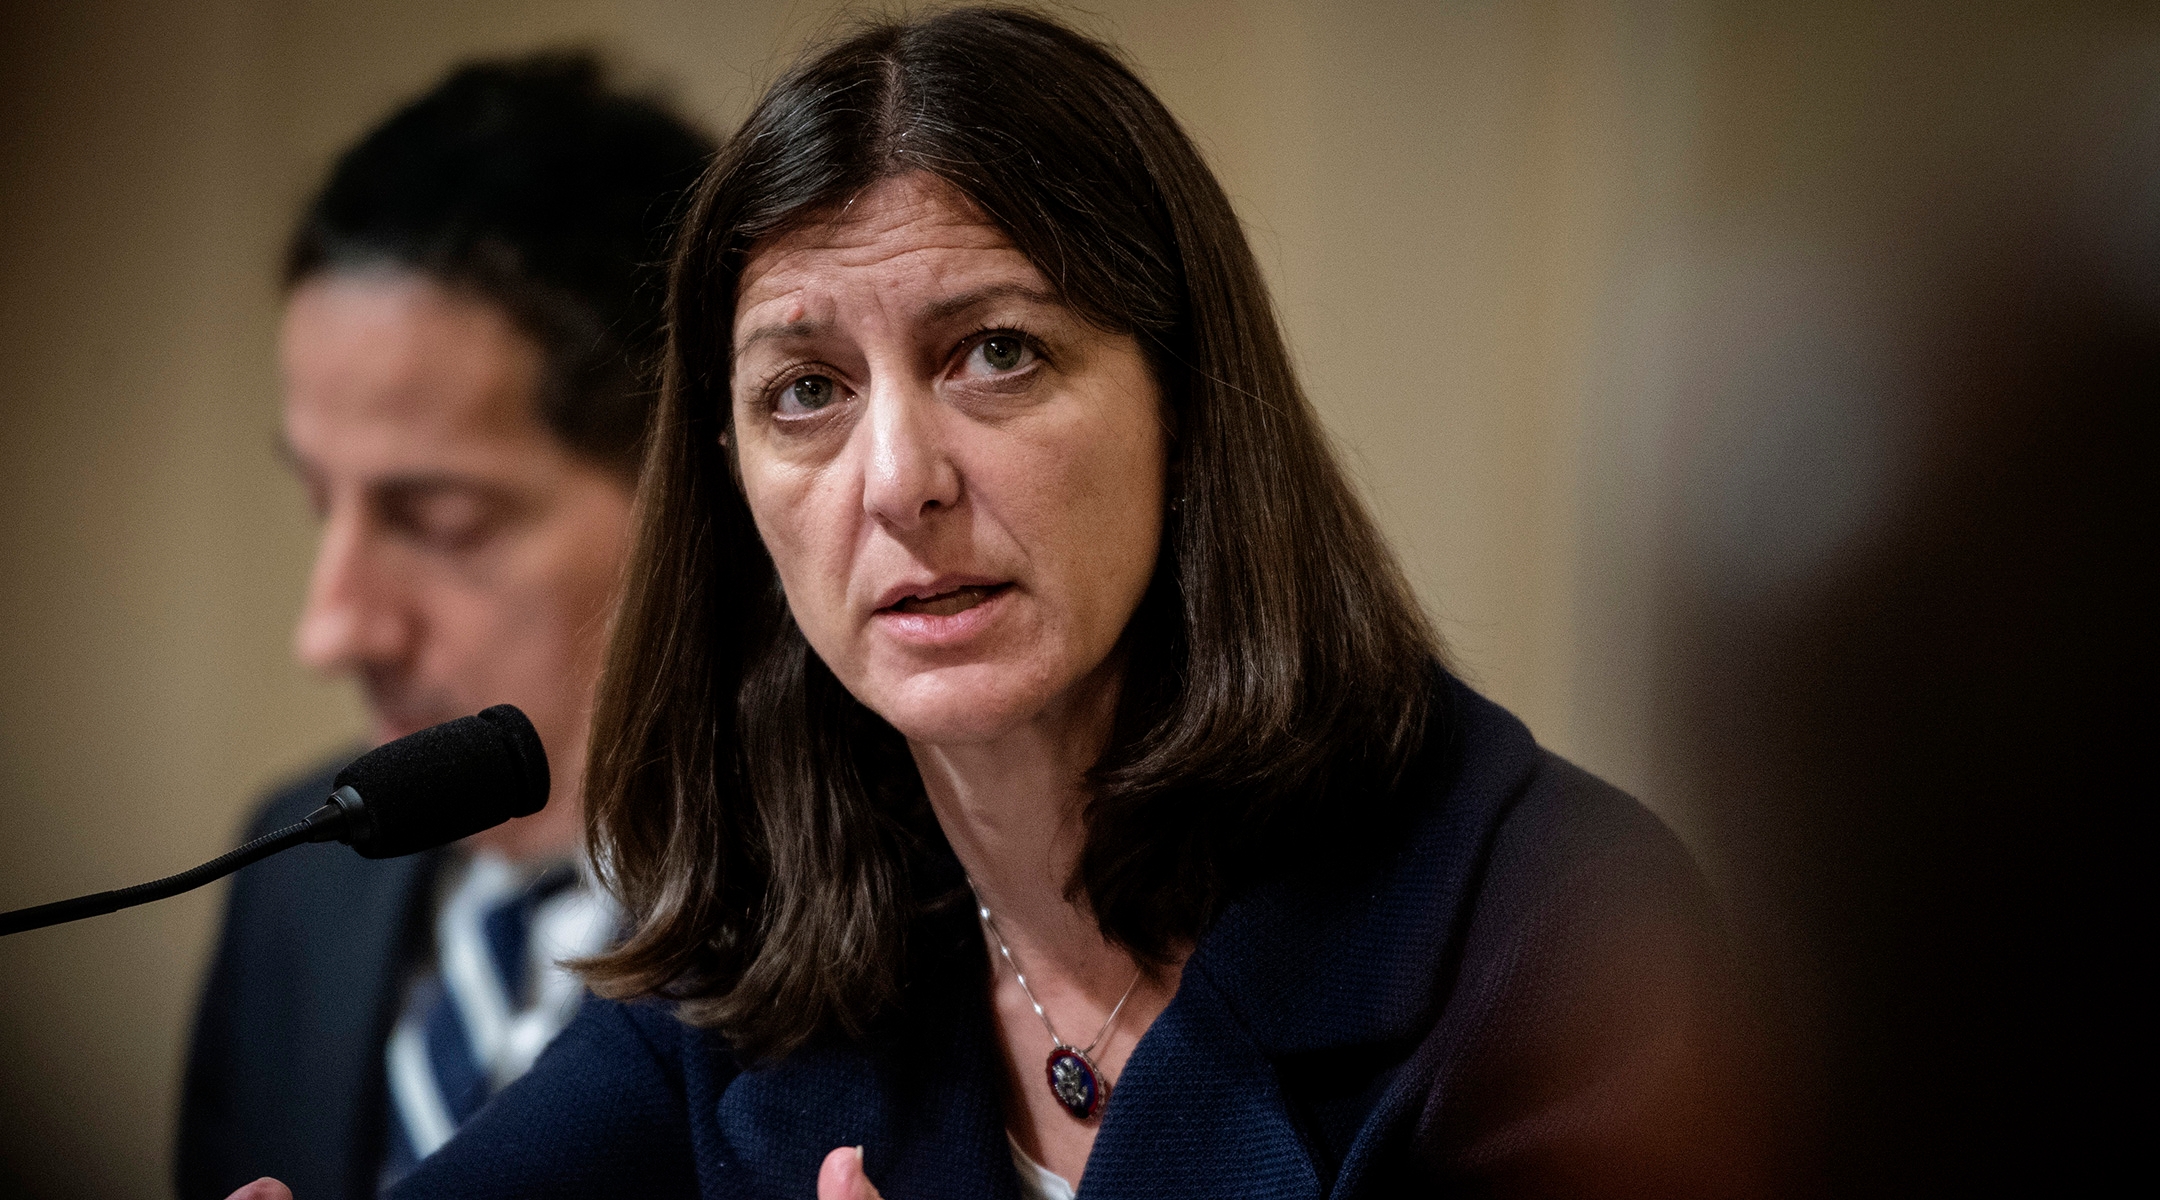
473,305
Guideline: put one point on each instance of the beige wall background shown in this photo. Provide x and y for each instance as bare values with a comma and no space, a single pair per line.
1488,225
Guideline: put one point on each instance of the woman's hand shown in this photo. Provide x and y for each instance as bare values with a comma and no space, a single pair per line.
841,1178
267,1188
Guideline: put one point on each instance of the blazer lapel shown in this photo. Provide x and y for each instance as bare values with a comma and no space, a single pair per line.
1199,1113
1364,961
1352,972
921,1098
385,908
1311,970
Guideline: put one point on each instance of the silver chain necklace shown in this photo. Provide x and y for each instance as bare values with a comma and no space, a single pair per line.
1074,1079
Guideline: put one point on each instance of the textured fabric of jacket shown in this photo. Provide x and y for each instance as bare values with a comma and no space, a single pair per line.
285,1071
1526,994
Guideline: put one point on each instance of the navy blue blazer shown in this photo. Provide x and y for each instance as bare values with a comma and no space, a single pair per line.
285,1071
1526,994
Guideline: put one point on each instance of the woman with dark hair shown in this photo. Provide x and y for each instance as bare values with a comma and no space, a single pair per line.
1070,787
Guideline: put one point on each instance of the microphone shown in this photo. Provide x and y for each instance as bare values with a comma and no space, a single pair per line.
421,791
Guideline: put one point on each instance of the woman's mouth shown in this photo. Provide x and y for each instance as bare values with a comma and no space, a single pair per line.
945,604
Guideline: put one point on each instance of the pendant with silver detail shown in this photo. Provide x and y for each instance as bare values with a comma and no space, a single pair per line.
1074,1082
1080,1088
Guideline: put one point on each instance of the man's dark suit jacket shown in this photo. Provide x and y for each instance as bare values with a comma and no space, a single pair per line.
285,1074
1527,995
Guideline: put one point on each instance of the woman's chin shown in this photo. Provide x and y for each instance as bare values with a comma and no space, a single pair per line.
944,727
959,706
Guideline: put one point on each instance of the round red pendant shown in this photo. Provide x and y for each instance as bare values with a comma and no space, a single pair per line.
1075,1084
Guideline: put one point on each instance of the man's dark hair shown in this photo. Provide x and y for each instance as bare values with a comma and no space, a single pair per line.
533,184
767,832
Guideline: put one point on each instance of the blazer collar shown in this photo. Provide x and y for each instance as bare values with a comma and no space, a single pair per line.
1312,966
1200,1114
922,1096
1297,967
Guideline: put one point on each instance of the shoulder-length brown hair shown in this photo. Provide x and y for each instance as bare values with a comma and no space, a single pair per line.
767,833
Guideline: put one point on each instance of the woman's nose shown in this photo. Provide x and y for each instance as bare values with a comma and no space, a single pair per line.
353,619
907,473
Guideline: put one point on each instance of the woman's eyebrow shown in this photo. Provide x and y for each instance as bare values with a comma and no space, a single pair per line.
952,306
938,310
783,330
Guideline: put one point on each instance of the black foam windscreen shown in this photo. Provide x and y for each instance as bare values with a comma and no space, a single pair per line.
445,782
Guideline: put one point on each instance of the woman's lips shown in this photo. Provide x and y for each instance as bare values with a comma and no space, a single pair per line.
943,619
945,604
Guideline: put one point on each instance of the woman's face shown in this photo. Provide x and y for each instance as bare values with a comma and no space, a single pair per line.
959,479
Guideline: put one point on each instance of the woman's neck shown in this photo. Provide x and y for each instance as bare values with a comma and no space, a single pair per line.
1012,808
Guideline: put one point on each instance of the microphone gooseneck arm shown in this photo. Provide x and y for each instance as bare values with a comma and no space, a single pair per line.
332,822
424,790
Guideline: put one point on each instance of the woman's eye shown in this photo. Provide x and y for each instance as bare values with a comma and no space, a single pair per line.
1002,353
806,395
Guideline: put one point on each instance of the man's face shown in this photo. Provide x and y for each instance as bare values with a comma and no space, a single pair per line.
468,557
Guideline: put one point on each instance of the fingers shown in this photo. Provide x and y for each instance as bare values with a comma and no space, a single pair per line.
841,1178
267,1188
